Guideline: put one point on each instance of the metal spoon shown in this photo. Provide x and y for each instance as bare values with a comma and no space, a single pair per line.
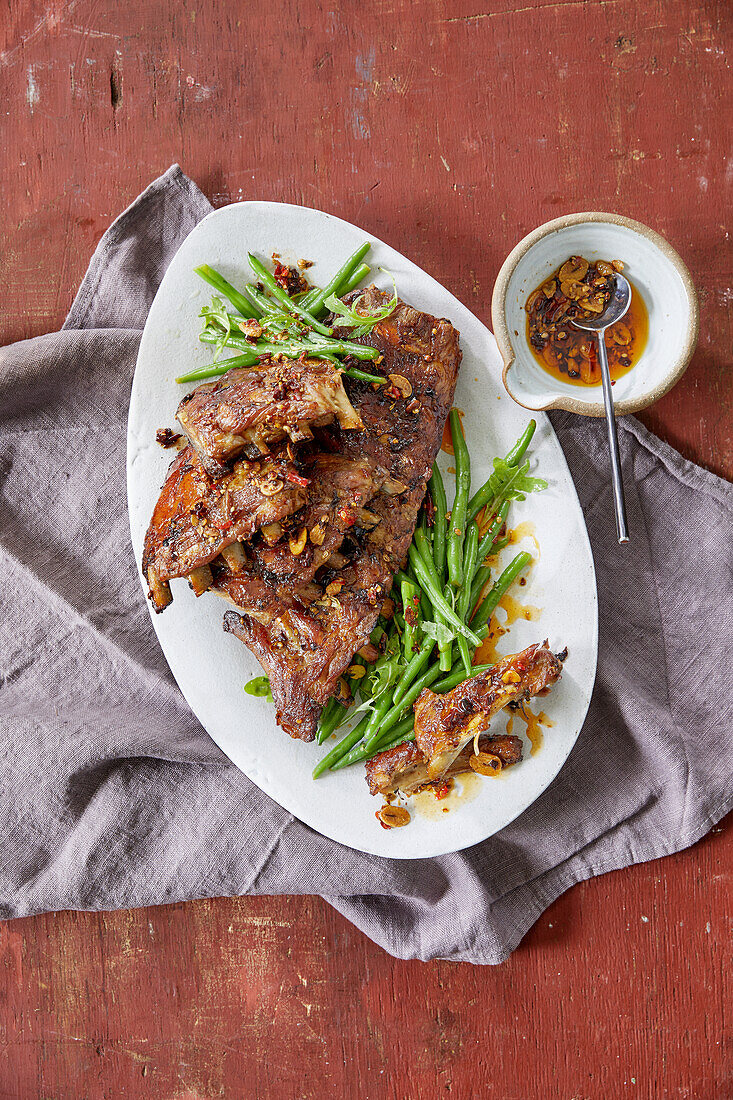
617,306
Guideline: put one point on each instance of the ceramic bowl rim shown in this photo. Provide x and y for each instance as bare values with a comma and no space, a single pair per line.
566,401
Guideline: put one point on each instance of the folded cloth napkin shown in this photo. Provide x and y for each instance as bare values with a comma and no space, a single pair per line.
114,796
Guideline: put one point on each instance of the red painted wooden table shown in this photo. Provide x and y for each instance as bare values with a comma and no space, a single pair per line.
450,130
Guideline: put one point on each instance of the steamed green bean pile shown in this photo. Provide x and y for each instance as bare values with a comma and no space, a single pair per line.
269,321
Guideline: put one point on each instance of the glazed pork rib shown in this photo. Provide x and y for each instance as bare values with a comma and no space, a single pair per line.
404,768
339,488
197,517
445,724
276,588
402,426
259,406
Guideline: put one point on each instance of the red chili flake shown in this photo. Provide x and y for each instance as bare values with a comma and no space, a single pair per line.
442,791
223,525
281,276
347,517
290,279
410,615
297,479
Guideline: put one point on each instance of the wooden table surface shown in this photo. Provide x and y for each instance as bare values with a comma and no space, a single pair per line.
450,130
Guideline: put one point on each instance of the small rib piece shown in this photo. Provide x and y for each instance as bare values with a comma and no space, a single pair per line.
444,724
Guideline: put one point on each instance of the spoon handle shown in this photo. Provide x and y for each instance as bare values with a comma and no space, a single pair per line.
618,485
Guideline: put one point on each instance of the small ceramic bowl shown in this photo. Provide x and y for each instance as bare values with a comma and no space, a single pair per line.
653,267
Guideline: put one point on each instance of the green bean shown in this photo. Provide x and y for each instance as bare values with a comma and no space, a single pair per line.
362,376
382,706
293,348
470,561
414,668
436,597
403,731
440,523
289,348
485,494
341,347
345,744
353,281
420,541
353,737
487,545
486,608
445,649
518,450
315,305
391,714
410,595
213,278
470,557
487,541
268,311
426,608
346,287
440,687
457,527
215,369
336,712
482,575
277,292
232,340
331,716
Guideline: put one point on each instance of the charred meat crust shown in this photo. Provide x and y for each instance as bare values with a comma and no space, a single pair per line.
309,542
305,641
446,726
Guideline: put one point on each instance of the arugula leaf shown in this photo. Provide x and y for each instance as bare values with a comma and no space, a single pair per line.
511,483
362,323
216,318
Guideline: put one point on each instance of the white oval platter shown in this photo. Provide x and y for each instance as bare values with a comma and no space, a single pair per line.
211,667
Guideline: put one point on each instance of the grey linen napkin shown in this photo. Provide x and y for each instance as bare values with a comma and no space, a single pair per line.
112,795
